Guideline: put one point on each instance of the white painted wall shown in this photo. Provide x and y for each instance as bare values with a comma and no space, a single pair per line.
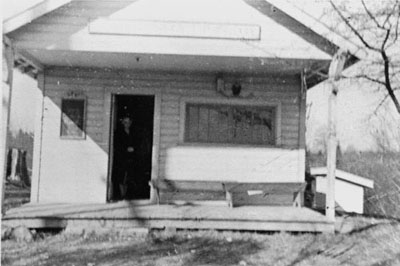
348,195
240,164
71,170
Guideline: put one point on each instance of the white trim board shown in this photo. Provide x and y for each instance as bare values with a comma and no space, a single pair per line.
31,13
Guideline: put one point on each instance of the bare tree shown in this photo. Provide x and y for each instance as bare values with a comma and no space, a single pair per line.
375,27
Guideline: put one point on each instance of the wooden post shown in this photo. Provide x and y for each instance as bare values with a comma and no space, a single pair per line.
8,56
335,70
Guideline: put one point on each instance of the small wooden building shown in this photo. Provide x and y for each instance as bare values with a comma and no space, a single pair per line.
349,190
216,90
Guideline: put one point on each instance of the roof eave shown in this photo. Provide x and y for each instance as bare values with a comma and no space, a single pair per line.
31,13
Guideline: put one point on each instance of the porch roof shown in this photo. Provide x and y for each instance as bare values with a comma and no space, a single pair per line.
212,36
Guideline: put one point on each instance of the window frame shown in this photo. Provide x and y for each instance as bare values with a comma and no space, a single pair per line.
74,137
231,102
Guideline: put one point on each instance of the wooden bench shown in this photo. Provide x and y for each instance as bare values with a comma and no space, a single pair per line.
210,188
234,189
231,189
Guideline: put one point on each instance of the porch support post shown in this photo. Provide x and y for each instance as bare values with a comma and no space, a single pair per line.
7,69
335,70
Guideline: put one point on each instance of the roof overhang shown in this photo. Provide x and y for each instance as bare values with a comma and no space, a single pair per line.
31,13
286,46
330,40
173,62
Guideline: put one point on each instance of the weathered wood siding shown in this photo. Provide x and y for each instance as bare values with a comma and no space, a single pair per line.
77,170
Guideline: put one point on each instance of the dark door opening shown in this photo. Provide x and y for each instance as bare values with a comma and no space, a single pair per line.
132,147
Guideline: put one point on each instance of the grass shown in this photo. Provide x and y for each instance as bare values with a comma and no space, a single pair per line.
371,245
15,195
383,168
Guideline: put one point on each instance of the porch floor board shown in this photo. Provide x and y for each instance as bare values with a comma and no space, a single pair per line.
126,215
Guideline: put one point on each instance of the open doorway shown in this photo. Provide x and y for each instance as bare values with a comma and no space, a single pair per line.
132,141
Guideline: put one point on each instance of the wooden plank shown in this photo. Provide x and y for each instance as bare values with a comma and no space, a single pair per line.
269,188
46,222
7,88
124,210
293,25
108,136
51,19
120,215
244,199
155,162
181,224
190,197
37,142
89,9
261,82
31,13
159,77
302,110
182,185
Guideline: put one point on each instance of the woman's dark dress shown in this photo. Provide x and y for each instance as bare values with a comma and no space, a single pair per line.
127,164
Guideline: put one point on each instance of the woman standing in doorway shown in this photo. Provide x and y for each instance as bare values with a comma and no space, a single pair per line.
126,156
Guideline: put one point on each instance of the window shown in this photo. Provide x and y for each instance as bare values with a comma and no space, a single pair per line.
236,124
73,118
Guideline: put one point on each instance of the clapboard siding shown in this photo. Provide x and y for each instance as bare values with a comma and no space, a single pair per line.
283,90
73,170
84,162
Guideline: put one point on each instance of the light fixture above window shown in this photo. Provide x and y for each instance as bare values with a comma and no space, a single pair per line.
236,88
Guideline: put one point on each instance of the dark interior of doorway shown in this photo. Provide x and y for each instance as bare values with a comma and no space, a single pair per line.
135,174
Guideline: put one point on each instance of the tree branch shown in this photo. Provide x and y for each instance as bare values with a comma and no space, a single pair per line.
354,30
388,84
385,40
390,13
371,15
380,104
396,32
380,82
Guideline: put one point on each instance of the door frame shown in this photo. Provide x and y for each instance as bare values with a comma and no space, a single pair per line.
110,99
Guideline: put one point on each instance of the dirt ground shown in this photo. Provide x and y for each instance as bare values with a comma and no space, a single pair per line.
375,244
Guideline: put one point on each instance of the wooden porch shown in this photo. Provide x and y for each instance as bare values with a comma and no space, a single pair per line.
128,215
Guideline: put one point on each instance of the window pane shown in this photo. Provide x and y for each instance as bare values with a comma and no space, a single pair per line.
203,124
192,123
230,124
72,117
266,126
242,126
219,124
